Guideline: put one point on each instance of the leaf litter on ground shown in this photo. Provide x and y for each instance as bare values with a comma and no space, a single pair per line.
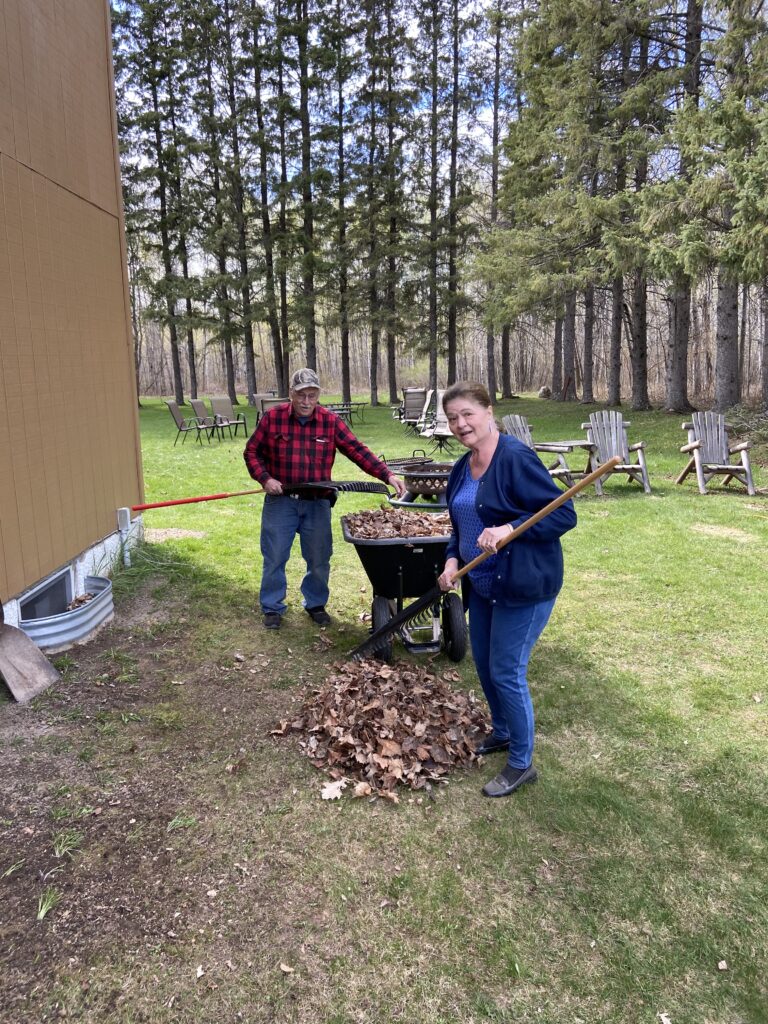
386,726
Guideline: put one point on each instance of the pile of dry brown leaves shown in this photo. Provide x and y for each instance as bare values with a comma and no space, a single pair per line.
379,523
384,726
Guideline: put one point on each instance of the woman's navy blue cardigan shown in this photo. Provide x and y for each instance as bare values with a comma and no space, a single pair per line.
515,485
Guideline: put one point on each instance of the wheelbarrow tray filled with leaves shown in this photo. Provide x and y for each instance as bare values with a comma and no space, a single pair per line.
406,567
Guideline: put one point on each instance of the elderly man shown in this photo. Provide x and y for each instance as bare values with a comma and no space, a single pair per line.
296,443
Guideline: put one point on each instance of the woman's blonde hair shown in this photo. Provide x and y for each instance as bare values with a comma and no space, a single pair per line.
468,389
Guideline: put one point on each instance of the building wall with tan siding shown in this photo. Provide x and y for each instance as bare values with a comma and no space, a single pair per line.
69,439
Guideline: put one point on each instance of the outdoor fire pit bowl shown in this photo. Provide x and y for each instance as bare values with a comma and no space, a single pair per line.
430,479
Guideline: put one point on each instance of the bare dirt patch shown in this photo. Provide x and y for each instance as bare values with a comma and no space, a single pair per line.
730,532
132,760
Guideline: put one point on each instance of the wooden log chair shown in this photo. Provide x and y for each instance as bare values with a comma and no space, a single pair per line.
710,453
607,432
519,427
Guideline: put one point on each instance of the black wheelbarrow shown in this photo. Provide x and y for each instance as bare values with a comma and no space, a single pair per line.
406,567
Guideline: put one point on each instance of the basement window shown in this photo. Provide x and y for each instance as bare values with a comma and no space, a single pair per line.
48,598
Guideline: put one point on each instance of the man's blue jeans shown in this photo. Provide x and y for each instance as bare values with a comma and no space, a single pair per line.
502,641
281,519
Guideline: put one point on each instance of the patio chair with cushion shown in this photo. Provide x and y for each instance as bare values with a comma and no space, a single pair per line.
225,416
189,424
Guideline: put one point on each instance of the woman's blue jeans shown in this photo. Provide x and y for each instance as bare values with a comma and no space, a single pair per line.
502,641
281,519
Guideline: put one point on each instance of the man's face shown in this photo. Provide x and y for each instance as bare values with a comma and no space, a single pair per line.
304,401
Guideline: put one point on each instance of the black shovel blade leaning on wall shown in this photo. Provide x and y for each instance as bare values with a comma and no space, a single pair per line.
24,668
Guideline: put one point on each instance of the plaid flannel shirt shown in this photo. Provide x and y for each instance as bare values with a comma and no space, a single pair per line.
283,448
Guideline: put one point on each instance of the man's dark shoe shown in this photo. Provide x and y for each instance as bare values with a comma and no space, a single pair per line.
508,780
271,620
490,745
319,615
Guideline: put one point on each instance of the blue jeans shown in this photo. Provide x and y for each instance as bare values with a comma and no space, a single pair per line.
502,641
281,519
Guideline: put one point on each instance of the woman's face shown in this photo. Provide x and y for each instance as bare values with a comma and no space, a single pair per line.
469,421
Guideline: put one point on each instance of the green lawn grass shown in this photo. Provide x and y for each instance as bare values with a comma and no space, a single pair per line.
609,892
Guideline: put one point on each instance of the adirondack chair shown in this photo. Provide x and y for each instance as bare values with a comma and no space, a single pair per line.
607,431
710,452
519,427
438,431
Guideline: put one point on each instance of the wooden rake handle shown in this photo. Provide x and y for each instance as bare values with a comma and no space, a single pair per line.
561,499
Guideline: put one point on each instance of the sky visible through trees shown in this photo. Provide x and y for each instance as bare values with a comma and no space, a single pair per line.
563,193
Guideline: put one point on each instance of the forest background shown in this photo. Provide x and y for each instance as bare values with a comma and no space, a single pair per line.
571,193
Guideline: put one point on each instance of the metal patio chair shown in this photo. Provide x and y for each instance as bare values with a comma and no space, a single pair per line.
187,425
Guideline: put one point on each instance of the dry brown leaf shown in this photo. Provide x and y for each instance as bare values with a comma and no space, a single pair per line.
332,790
404,728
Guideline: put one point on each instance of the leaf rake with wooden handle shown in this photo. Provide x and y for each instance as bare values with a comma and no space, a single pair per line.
417,606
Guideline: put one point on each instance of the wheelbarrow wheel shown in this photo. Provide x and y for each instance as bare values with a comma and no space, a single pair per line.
381,613
454,627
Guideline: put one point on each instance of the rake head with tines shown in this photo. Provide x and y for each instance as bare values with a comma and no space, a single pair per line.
361,486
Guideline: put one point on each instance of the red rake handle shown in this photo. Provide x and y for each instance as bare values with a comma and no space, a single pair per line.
190,501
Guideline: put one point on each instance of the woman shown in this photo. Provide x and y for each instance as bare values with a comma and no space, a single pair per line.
492,489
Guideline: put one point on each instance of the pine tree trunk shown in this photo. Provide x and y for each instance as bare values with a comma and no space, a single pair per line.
587,395
677,363
341,213
371,43
165,245
238,202
569,348
557,362
433,197
267,240
308,229
191,357
506,379
393,239
727,390
639,345
453,217
283,216
677,366
614,354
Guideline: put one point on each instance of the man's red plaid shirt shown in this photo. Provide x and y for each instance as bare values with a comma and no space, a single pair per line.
283,448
